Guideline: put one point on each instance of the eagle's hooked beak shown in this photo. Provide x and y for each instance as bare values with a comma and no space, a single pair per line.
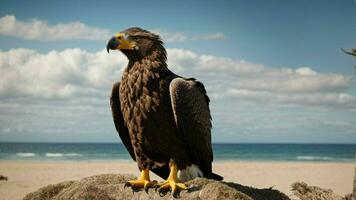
112,44
121,41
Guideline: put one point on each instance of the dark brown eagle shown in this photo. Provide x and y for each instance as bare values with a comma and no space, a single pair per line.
163,119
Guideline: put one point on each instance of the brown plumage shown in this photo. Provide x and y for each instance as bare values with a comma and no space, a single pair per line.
159,115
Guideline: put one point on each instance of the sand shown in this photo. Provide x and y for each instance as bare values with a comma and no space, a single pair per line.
27,176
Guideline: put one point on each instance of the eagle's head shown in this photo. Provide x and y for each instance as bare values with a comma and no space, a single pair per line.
136,43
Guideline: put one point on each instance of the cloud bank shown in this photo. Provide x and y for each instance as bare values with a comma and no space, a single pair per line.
66,94
76,73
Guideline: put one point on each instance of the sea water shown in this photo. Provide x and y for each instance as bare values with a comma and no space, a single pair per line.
222,152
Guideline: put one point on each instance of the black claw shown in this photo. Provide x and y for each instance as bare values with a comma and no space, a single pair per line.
136,189
127,184
162,192
175,194
146,189
159,190
190,189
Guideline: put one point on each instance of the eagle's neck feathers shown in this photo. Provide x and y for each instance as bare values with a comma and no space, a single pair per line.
155,60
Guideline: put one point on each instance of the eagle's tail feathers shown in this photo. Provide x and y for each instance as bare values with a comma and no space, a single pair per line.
215,177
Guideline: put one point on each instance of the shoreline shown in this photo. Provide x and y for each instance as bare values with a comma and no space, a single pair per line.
28,176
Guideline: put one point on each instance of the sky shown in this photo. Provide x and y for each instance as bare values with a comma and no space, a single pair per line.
273,69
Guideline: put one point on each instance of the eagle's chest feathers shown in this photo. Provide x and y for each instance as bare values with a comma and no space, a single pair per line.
139,94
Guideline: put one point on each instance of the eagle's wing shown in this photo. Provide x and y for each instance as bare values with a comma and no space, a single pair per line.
190,106
119,119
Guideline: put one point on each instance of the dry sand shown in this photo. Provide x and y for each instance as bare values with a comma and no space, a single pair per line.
27,176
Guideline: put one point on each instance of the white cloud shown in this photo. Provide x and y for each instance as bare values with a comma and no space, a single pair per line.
321,100
57,74
306,71
190,61
211,36
40,30
302,86
294,81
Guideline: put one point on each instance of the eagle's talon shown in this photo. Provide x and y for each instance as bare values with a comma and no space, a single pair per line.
135,189
171,186
172,183
127,184
146,189
176,194
148,185
143,182
190,189
162,192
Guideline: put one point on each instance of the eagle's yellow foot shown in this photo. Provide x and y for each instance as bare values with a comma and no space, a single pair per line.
171,183
142,182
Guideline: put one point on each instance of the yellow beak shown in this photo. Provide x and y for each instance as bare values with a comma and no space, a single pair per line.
120,41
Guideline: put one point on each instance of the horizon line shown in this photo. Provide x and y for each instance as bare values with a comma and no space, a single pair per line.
49,142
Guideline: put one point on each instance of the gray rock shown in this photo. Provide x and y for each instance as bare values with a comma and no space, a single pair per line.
111,187
305,192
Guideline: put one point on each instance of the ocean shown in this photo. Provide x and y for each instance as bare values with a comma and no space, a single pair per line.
222,152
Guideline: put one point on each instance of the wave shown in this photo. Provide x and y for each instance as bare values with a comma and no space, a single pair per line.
25,154
314,158
62,154
53,154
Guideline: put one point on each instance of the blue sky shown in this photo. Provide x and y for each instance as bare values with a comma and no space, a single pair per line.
273,69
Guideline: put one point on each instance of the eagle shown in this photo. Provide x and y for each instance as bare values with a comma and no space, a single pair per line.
163,119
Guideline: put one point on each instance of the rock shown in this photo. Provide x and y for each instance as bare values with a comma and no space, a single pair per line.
3,178
111,187
305,192
49,191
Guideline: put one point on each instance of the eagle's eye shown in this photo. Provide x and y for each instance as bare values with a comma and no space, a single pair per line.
119,37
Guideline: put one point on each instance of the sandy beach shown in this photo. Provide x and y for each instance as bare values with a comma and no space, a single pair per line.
27,176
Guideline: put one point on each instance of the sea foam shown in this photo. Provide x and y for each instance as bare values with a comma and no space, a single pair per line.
25,154
61,154
314,158
54,154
